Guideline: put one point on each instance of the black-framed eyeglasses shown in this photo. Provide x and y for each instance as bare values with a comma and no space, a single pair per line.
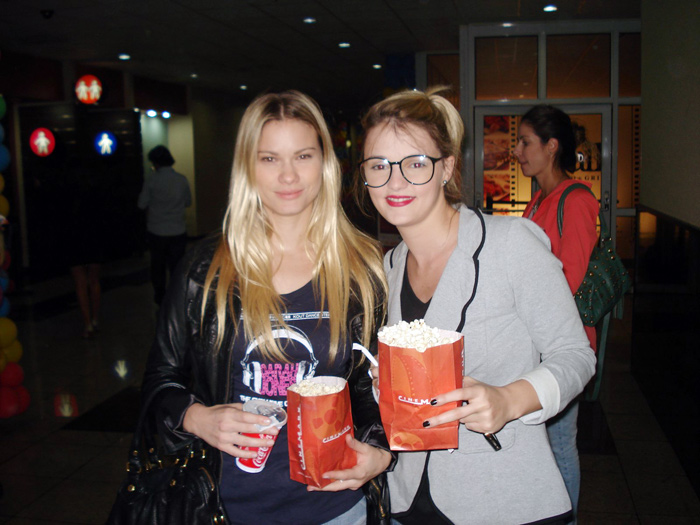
416,169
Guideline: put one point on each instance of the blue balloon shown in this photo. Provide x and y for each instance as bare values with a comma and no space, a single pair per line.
4,157
4,307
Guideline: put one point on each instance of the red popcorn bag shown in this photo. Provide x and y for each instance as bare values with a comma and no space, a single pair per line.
319,418
416,363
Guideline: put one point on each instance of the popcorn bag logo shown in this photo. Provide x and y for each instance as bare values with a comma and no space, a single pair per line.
317,443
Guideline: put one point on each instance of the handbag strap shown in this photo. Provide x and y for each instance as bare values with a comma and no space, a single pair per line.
135,459
604,232
475,258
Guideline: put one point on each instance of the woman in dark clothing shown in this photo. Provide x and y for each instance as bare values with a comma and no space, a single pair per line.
288,260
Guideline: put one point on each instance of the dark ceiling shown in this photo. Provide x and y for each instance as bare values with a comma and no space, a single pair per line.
265,44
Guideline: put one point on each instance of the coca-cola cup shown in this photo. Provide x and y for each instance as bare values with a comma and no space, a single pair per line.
278,417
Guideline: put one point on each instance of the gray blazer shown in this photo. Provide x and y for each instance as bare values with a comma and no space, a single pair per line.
522,324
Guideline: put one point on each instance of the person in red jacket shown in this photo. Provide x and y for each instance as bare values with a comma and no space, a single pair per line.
546,150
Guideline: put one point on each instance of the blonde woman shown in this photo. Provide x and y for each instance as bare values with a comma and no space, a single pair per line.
280,296
494,279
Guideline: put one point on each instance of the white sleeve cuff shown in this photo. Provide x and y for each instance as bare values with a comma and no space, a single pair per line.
547,389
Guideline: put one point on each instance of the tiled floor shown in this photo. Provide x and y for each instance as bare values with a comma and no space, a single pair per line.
52,475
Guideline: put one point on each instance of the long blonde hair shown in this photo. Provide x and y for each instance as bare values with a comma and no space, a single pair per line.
348,264
432,112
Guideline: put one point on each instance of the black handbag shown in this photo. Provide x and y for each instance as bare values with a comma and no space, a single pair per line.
606,280
166,489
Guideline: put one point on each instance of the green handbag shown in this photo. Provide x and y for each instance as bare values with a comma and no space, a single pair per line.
606,280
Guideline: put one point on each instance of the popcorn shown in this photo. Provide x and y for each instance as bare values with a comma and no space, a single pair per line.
415,334
309,387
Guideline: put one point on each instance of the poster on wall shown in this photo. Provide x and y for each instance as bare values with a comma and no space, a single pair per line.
497,158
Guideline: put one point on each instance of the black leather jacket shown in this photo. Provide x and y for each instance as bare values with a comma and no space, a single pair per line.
184,354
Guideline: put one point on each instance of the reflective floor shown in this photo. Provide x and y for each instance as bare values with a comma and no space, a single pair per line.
52,474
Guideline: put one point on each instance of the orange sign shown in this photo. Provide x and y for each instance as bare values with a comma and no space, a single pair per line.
88,89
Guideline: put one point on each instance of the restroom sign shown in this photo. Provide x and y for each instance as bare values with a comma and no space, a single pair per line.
42,142
105,143
88,89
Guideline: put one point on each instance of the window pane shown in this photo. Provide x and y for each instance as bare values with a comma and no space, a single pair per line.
506,68
630,65
578,66
628,156
624,240
443,70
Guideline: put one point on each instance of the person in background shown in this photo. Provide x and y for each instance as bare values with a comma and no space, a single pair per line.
84,248
546,150
288,261
526,355
165,195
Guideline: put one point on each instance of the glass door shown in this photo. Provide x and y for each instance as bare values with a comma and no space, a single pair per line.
500,186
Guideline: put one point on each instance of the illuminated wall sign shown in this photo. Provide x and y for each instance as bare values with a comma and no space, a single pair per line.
88,89
42,142
105,143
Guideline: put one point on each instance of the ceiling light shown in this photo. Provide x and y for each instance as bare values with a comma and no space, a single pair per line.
124,56
152,113
507,24
344,44
243,87
194,75
377,66
309,20
550,8
165,114
136,110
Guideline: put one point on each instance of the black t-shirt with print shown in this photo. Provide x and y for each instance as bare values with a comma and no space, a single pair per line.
270,496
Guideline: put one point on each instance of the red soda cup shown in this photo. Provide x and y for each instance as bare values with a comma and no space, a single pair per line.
278,418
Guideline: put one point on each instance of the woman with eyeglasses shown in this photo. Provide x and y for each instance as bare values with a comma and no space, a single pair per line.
525,352
282,294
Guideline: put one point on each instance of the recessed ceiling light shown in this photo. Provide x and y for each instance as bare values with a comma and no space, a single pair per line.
124,56
194,75
165,114
243,87
377,66
550,8
152,113
137,110
507,24
344,44
309,20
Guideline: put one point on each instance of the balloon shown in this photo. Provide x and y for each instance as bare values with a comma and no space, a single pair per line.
13,352
4,307
13,375
9,402
4,206
3,106
8,331
4,157
23,397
